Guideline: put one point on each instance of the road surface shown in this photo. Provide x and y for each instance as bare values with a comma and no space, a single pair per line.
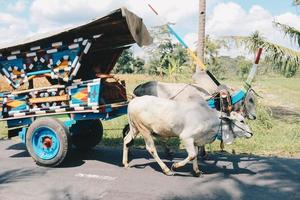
98,175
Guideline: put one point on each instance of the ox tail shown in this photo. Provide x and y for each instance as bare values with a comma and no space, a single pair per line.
131,96
130,131
132,127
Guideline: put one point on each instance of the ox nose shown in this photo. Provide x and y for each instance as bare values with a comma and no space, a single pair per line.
254,117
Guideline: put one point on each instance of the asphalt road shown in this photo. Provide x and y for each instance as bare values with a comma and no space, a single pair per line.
98,175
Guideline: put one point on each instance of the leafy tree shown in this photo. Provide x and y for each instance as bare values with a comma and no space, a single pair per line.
165,54
138,66
212,58
243,66
284,59
127,64
124,64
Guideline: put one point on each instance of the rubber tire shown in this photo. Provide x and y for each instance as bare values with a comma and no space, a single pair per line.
64,139
86,134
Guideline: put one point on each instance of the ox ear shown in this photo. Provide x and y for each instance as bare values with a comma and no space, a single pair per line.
255,93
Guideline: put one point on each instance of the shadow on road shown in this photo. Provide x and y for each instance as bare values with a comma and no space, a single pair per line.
266,178
16,175
226,176
21,147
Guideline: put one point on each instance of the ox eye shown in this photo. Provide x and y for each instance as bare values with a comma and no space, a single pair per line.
251,100
243,121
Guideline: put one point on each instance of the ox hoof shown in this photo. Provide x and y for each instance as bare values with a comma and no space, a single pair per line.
197,173
126,165
168,172
174,166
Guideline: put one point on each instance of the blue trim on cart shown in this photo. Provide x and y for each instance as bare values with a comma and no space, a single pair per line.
22,134
19,122
235,98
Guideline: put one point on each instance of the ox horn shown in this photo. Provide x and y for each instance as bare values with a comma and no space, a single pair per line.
253,70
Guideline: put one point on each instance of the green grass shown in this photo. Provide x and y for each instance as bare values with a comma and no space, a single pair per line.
282,92
3,130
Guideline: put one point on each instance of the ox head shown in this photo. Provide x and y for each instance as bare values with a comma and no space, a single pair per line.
249,110
234,126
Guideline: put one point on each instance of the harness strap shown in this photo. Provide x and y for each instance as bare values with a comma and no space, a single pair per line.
180,91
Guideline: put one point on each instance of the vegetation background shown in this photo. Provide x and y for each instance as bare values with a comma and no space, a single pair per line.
277,128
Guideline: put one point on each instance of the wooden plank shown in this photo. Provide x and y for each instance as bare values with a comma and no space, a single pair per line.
37,89
115,105
49,99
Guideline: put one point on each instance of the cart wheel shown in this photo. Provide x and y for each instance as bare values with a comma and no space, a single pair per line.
86,134
47,141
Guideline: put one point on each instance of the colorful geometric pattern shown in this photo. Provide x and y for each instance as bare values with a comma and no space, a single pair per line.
20,102
80,96
94,91
57,60
85,93
16,103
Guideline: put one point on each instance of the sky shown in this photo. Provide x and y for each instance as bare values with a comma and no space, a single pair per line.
23,18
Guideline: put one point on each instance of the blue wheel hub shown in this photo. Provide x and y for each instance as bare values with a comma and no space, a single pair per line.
45,143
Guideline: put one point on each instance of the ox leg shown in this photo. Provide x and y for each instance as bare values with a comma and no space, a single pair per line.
150,146
222,146
190,148
203,154
197,172
128,138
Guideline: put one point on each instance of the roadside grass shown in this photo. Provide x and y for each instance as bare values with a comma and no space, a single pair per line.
281,91
3,130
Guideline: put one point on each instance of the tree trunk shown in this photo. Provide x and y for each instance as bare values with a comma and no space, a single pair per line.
201,31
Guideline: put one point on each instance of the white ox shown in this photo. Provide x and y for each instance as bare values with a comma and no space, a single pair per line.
194,123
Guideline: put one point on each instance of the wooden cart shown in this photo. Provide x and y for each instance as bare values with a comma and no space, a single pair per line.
81,92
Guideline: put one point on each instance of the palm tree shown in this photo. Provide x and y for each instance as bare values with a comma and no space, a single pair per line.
297,2
284,59
201,31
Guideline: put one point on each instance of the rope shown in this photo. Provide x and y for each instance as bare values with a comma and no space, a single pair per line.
113,129
241,128
180,91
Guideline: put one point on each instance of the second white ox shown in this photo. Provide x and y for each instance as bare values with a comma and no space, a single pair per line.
194,123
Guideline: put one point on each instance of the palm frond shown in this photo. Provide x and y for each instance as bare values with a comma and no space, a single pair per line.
293,33
297,2
284,59
251,43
